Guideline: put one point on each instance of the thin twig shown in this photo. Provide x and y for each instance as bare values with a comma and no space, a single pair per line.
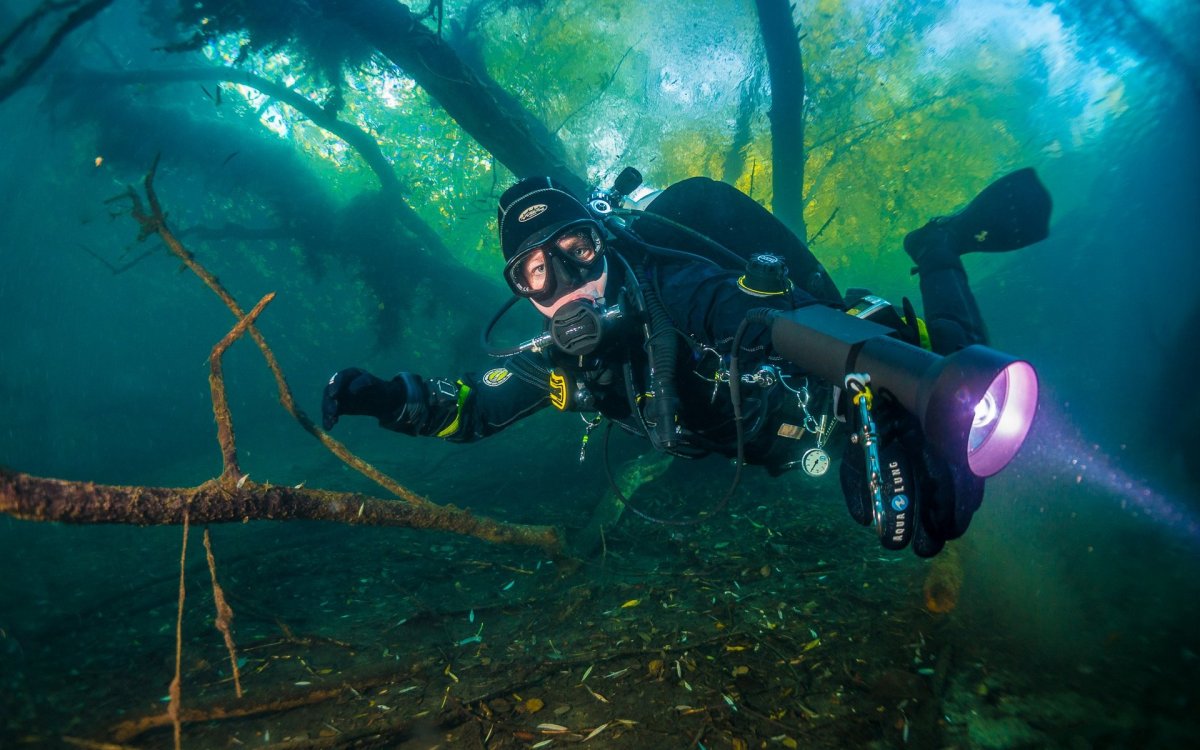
231,473
174,691
599,92
93,744
224,614
823,226
124,266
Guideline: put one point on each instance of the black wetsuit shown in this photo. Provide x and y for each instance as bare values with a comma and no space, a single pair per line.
706,306
702,307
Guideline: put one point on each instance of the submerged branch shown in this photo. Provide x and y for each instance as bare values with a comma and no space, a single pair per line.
813,240
124,266
231,498
155,222
41,499
224,619
785,71
231,473
480,106
29,66
1161,45
374,731
360,141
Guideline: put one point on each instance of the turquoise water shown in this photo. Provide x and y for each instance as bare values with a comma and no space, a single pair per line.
780,623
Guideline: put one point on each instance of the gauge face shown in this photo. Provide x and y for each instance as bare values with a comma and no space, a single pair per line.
815,462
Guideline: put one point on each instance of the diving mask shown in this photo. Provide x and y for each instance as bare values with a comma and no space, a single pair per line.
546,268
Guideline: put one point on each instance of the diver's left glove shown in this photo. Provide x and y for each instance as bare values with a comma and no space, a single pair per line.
357,392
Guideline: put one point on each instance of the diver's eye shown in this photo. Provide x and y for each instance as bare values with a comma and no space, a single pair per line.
579,246
533,271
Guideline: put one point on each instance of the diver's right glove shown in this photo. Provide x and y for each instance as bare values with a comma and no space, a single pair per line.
926,500
357,392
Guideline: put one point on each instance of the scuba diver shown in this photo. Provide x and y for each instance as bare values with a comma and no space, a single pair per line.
658,321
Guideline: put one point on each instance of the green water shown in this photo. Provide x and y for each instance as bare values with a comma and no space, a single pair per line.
780,623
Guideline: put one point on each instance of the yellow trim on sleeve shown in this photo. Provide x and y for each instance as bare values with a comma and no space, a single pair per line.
464,390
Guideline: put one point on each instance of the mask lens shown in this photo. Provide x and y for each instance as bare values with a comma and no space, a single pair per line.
530,271
579,245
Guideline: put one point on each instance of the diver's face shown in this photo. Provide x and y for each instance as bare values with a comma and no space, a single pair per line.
579,248
593,291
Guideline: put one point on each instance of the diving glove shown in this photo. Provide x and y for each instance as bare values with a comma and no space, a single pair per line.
926,501
1011,213
358,392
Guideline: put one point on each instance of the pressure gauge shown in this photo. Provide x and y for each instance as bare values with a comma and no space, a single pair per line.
815,462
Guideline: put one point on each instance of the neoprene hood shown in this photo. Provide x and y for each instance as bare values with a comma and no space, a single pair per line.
534,209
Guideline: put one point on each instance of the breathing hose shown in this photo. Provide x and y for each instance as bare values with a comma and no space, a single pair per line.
663,348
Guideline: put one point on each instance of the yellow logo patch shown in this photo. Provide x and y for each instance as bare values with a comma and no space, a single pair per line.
558,390
496,377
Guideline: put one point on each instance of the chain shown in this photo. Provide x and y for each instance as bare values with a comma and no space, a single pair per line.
767,376
824,428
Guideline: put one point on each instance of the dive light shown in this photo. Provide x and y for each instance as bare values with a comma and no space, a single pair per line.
974,406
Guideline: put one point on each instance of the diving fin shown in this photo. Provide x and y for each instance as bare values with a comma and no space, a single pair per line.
1012,212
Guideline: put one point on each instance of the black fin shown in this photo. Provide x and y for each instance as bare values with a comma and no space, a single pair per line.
1012,212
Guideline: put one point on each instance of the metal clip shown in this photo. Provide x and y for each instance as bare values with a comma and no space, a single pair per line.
587,435
857,384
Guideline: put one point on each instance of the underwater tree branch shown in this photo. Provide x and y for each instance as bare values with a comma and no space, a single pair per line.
599,92
813,240
860,131
31,20
735,158
34,498
489,114
785,70
87,744
386,730
155,222
116,270
362,142
231,473
230,499
417,512
29,66
133,728
844,141
224,614
174,692
1160,44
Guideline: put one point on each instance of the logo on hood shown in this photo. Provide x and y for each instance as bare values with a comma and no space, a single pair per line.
531,212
